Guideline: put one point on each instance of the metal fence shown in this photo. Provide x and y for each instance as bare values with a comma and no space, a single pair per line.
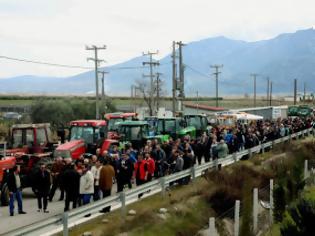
64,221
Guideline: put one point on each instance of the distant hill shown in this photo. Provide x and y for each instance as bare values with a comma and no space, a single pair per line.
283,58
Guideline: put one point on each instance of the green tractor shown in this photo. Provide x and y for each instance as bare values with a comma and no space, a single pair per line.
170,127
136,132
199,122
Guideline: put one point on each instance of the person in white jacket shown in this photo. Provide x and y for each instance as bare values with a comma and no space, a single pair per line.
86,184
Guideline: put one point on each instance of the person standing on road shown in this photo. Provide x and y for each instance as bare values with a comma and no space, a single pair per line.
71,183
151,166
107,175
96,174
141,172
56,172
124,172
86,184
15,192
42,187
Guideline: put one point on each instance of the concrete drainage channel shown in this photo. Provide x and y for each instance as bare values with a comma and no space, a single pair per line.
75,217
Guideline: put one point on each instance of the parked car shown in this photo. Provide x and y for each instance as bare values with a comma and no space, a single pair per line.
12,116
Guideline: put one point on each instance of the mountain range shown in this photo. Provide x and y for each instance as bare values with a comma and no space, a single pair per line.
282,59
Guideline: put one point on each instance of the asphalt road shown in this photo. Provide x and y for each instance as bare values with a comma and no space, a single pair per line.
8,222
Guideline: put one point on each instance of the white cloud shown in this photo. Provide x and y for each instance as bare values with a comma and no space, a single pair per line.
57,30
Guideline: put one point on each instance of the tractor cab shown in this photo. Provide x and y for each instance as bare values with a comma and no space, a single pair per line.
113,119
89,131
30,139
85,136
135,132
200,122
170,127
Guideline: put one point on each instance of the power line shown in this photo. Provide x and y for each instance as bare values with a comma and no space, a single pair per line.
73,66
46,63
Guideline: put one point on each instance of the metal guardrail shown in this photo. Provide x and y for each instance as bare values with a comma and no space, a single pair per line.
129,196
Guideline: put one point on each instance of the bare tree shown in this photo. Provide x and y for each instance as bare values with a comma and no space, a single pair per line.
144,87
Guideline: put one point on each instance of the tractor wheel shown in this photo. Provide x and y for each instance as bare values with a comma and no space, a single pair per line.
5,197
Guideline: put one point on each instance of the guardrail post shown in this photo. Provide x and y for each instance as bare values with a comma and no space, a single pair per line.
308,132
237,218
212,231
273,144
262,148
216,162
250,153
271,202
163,187
123,203
234,157
65,224
193,172
255,210
306,169
290,138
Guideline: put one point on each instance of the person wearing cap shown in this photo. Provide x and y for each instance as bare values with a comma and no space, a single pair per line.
124,172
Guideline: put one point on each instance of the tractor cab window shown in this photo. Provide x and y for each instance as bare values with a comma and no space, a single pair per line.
112,123
160,127
17,138
204,121
135,133
30,137
40,136
86,133
169,125
194,121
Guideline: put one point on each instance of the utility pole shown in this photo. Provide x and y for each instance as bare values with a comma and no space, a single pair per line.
96,61
151,63
254,77
216,73
158,90
304,98
103,88
270,96
197,102
174,79
181,94
268,85
295,90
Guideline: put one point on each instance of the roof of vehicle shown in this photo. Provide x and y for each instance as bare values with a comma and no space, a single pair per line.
94,123
109,116
27,126
132,123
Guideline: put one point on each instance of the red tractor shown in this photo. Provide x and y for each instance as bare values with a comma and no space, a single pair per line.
85,136
112,120
29,144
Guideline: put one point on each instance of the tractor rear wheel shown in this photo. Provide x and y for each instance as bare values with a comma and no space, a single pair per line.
5,197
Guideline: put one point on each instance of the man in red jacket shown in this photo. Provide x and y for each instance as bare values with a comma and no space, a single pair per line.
151,166
140,170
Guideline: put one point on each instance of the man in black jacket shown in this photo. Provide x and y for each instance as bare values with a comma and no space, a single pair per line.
14,186
71,184
42,188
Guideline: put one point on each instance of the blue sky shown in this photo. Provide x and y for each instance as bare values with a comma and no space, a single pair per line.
57,30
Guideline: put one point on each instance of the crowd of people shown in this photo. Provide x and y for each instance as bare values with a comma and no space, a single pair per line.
93,178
